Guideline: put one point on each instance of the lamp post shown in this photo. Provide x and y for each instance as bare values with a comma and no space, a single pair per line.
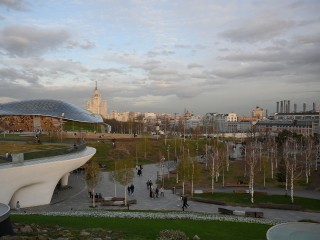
61,126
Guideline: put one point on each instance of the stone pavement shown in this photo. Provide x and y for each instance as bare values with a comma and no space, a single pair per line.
76,198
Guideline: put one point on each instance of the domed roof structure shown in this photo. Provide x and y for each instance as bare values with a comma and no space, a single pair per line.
51,108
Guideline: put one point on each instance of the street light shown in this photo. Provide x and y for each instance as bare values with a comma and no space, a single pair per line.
61,126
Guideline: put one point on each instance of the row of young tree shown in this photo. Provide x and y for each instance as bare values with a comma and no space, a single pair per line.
284,158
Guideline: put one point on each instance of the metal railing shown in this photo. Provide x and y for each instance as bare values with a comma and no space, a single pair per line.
45,153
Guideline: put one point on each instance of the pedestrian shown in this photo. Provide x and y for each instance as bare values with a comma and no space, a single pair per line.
129,190
18,206
150,192
161,192
185,202
157,192
132,188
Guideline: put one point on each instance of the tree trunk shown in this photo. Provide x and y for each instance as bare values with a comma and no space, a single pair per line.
93,198
212,175
251,183
292,185
125,195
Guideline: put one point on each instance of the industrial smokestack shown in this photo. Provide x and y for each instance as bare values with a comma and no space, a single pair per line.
304,107
314,107
277,107
295,108
285,106
289,110
281,107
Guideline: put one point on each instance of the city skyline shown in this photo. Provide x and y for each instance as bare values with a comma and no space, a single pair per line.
162,56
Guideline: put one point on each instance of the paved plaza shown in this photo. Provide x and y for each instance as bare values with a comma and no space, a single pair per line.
76,198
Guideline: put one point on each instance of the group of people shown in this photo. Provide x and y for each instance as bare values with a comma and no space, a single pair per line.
154,191
96,196
130,189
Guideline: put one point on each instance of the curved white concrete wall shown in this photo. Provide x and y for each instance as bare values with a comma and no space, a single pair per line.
32,182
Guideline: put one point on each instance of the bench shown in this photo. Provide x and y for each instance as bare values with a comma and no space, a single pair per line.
117,202
239,213
236,185
241,191
198,191
225,211
254,214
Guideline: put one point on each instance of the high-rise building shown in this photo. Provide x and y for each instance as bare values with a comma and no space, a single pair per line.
96,105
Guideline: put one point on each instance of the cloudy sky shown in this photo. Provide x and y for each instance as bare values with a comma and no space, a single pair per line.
162,55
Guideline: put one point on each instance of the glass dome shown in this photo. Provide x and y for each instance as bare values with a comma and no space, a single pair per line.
51,108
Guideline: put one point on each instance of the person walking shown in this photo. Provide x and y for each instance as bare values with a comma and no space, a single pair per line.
18,206
161,191
185,202
132,188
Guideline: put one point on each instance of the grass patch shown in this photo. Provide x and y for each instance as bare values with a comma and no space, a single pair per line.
150,228
306,203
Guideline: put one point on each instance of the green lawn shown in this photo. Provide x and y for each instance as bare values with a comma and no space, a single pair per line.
149,229
305,203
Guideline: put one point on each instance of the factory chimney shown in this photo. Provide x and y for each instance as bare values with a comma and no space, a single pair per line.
277,107
295,108
304,107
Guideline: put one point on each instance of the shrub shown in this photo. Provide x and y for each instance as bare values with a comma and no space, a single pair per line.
172,235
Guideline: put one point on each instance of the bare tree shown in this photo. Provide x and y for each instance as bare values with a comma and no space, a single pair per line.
92,176
310,153
124,173
252,160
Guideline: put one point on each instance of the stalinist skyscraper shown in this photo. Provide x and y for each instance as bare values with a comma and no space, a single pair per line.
96,105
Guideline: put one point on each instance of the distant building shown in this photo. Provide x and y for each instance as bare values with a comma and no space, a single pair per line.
96,105
258,113
232,117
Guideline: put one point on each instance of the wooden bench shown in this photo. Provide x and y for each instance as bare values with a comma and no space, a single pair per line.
197,191
236,185
225,211
254,214
117,202
241,191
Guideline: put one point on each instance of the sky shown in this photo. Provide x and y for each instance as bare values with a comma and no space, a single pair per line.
162,55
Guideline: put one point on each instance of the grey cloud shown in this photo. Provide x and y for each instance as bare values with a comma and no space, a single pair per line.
182,46
160,53
152,64
14,4
15,76
26,40
250,70
194,65
107,70
258,30
84,45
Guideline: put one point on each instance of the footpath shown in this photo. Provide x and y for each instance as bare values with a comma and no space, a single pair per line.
77,198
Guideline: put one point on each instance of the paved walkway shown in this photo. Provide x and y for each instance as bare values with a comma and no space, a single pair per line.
77,198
